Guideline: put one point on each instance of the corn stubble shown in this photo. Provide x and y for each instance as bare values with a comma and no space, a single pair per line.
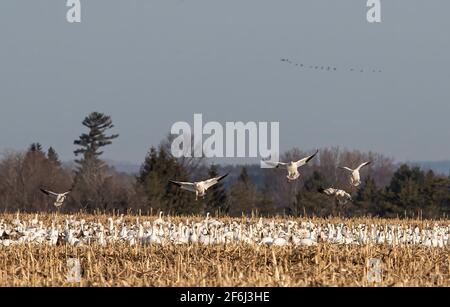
223,265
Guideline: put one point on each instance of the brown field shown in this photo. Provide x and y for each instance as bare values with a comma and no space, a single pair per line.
223,265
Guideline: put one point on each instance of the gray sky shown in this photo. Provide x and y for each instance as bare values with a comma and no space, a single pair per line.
149,63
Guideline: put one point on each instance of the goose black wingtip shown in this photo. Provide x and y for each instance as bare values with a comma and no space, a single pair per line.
223,176
175,183
44,191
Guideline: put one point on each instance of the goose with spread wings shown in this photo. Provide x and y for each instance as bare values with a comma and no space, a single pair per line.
355,178
199,187
341,196
292,167
59,197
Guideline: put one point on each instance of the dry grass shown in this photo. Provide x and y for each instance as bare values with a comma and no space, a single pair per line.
232,265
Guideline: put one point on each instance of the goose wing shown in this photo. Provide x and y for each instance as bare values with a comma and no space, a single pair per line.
348,195
363,164
189,186
344,194
306,160
346,168
65,193
329,191
276,164
210,182
49,193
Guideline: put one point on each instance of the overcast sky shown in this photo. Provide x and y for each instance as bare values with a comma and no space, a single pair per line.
149,63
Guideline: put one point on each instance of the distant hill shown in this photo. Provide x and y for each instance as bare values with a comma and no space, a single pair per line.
438,167
255,172
128,168
124,167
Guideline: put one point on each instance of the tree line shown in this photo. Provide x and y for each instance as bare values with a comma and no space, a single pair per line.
386,191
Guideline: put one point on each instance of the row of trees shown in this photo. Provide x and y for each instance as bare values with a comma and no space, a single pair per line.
386,191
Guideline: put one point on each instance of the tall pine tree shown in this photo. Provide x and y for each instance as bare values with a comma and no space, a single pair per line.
91,176
95,139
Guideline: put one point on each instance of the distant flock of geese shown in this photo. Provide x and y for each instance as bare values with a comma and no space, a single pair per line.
208,231
200,187
327,67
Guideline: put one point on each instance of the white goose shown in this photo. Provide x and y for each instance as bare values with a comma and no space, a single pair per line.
198,187
279,241
341,196
159,220
60,197
292,167
266,241
355,178
53,235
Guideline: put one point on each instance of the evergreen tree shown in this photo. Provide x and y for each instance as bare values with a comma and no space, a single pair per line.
53,157
244,177
148,166
430,195
35,147
265,203
158,168
216,197
92,175
92,142
403,195
368,197
413,192
368,191
242,195
309,201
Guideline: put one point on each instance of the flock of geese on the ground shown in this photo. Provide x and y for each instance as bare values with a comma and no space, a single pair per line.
200,187
209,231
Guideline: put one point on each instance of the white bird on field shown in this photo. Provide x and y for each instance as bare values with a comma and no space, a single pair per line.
303,242
159,220
198,187
262,232
266,241
280,241
341,196
355,178
292,167
60,197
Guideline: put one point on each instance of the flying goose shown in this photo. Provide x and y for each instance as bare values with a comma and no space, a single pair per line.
292,167
60,197
341,196
199,187
355,178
